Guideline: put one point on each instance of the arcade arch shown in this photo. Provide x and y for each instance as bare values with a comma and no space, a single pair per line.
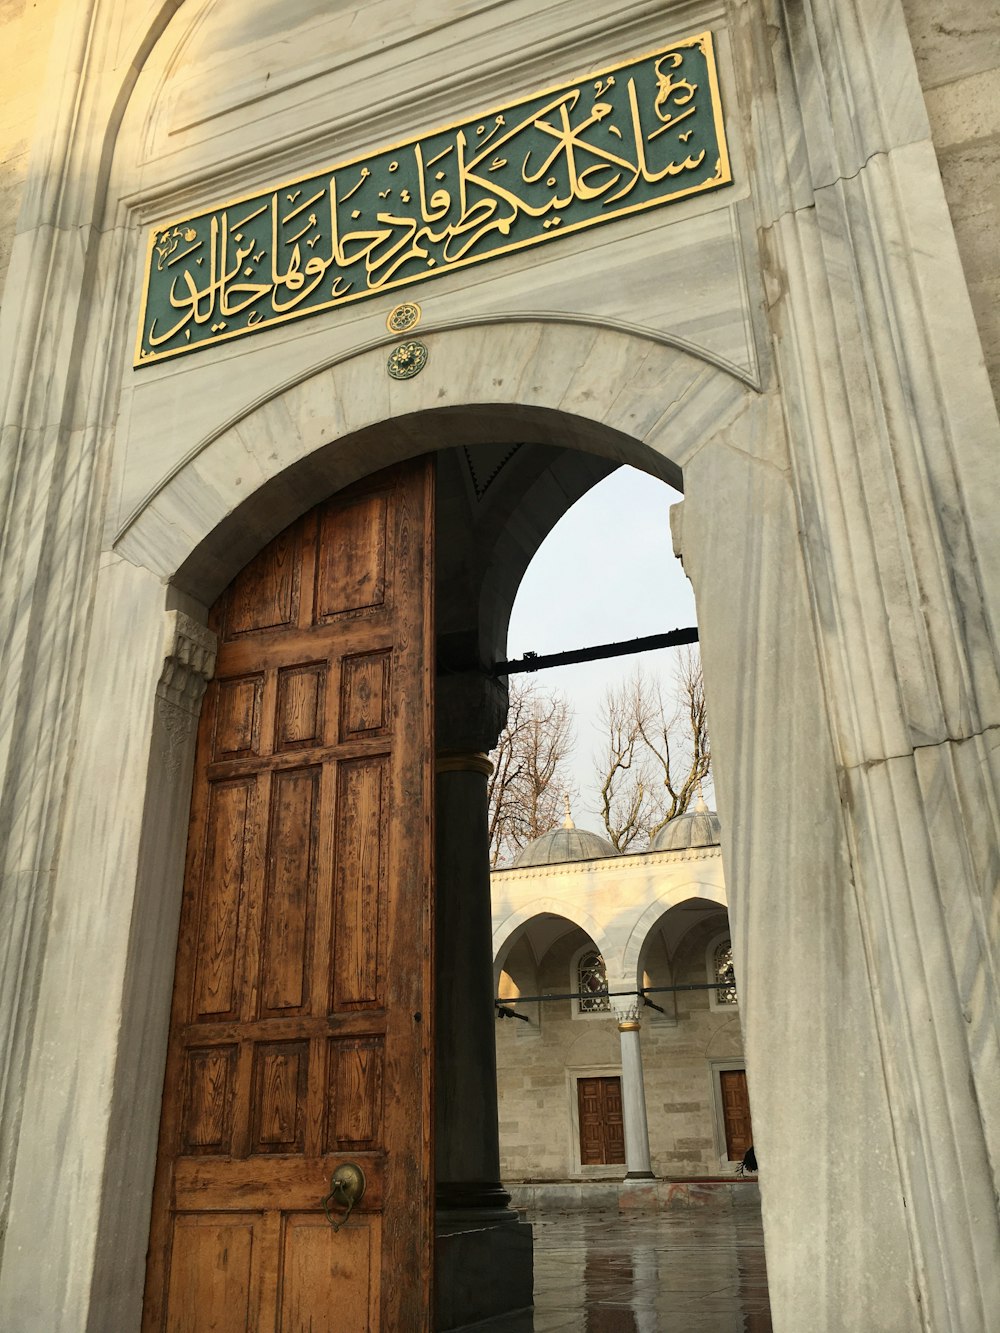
667,956
541,922
706,896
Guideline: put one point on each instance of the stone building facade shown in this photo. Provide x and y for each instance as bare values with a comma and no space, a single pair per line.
810,353
656,920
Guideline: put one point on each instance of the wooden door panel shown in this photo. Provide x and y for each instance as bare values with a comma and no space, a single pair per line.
290,891
361,864
365,695
736,1113
278,1105
614,1122
591,1141
237,728
213,1284
218,971
354,554
265,595
209,1087
299,713
354,1099
326,1280
301,1032
602,1129
260,1182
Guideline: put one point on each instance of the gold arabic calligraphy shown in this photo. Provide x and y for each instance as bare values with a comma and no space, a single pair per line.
576,156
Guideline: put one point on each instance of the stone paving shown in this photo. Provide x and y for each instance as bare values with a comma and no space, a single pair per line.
691,1270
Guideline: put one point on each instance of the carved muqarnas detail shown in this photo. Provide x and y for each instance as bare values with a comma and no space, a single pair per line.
188,665
188,661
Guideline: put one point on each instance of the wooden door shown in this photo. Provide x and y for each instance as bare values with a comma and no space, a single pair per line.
602,1128
300,1034
736,1113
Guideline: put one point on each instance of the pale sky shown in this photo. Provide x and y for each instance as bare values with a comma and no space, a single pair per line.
605,572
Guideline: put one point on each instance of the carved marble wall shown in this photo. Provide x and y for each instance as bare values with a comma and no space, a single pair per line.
804,356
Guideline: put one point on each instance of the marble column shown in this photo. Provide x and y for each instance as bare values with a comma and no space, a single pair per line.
637,1160
483,1251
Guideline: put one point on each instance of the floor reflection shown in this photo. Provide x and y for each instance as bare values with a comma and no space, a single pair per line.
683,1271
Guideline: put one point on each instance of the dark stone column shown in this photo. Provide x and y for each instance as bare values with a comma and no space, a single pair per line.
483,1260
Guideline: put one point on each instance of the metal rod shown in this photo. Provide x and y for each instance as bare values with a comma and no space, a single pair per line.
541,661
615,994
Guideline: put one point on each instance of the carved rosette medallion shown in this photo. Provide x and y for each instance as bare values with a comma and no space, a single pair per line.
407,360
403,318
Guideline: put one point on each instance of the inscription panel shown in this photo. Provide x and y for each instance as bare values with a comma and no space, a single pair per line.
628,137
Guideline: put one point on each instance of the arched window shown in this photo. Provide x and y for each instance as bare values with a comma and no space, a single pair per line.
592,979
723,974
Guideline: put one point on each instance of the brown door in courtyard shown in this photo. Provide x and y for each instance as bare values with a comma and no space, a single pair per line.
736,1113
602,1130
300,1035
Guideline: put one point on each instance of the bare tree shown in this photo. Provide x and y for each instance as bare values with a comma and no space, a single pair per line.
656,753
530,778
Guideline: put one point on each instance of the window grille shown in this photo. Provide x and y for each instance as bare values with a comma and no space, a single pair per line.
724,974
593,979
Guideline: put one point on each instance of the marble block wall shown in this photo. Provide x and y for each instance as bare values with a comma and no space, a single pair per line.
25,40
822,392
957,48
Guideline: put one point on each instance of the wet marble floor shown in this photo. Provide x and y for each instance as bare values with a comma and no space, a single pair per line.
691,1270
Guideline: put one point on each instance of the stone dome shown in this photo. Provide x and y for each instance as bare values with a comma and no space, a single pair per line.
568,843
698,828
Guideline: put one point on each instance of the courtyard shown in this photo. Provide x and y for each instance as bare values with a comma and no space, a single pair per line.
684,1270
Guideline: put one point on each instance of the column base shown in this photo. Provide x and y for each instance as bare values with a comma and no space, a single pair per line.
459,1195
639,1175
483,1264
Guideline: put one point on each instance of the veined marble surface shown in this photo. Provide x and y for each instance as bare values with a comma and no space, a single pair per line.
818,376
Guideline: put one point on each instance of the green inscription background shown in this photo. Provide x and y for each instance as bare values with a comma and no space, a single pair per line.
627,138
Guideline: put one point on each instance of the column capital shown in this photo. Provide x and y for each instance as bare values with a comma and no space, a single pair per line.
463,761
471,709
626,1010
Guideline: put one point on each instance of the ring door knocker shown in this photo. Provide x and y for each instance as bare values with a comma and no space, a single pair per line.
347,1187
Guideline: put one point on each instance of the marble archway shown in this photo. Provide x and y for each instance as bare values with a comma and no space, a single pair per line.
837,527
229,493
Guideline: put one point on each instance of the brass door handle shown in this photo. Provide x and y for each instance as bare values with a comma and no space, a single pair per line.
347,1187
